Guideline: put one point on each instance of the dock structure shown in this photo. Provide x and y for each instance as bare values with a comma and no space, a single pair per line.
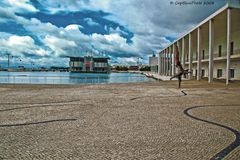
211,50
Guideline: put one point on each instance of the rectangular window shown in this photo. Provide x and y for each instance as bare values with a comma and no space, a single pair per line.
219,51
203,55
231,73
219,73
203,73
231,48
196,73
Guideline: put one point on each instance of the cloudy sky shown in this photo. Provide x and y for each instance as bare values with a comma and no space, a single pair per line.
45,31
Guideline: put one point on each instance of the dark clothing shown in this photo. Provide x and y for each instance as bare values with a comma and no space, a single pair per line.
179,76
181,71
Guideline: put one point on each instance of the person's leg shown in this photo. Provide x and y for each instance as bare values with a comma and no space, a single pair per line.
175,76
186,72
179,81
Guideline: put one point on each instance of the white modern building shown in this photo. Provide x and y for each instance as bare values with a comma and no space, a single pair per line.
153,63
89,64
210,50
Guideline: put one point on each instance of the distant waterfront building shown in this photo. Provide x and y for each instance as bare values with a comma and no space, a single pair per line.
210,50
89,64
21,68
153,63
133,68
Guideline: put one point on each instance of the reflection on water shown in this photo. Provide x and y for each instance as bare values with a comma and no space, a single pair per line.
69,78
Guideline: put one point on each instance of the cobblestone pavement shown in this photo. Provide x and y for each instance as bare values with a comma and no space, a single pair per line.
117,121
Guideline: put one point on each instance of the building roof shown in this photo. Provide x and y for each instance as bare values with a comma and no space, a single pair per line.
230,4
104,57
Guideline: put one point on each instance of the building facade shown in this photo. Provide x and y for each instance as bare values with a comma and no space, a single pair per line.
153,63
89,64
211,50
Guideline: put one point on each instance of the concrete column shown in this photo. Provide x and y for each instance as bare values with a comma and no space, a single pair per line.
170,61
159,63
183,52
173,60
190,55
160,67
211,50
199,68
179,51
164,62
167,61
228,45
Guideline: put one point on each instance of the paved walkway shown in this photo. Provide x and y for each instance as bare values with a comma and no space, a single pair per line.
120,121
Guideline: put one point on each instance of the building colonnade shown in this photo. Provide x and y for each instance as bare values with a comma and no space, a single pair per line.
208,49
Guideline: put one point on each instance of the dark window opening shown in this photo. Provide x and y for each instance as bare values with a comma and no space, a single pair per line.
231,73
203,55
219,73
219,51
203,73
231,48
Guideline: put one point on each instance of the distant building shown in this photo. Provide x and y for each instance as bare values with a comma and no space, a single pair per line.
133,68
21,68
59,69
89,64
153,63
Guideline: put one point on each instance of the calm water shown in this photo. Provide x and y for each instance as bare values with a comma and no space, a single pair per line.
69,78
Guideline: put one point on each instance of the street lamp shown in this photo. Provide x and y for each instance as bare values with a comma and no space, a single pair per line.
9,56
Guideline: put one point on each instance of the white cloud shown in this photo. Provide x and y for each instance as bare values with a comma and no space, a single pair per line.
17,45
150,21
20,41
58,45
4,35
21,46
117,30
40,29
8,14
54,6
22,5
42,52
114,44
91,22
127,61
73,27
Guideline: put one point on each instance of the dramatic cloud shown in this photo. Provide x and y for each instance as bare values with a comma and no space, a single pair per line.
43,31
19,6
22,5
22,46
59,45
